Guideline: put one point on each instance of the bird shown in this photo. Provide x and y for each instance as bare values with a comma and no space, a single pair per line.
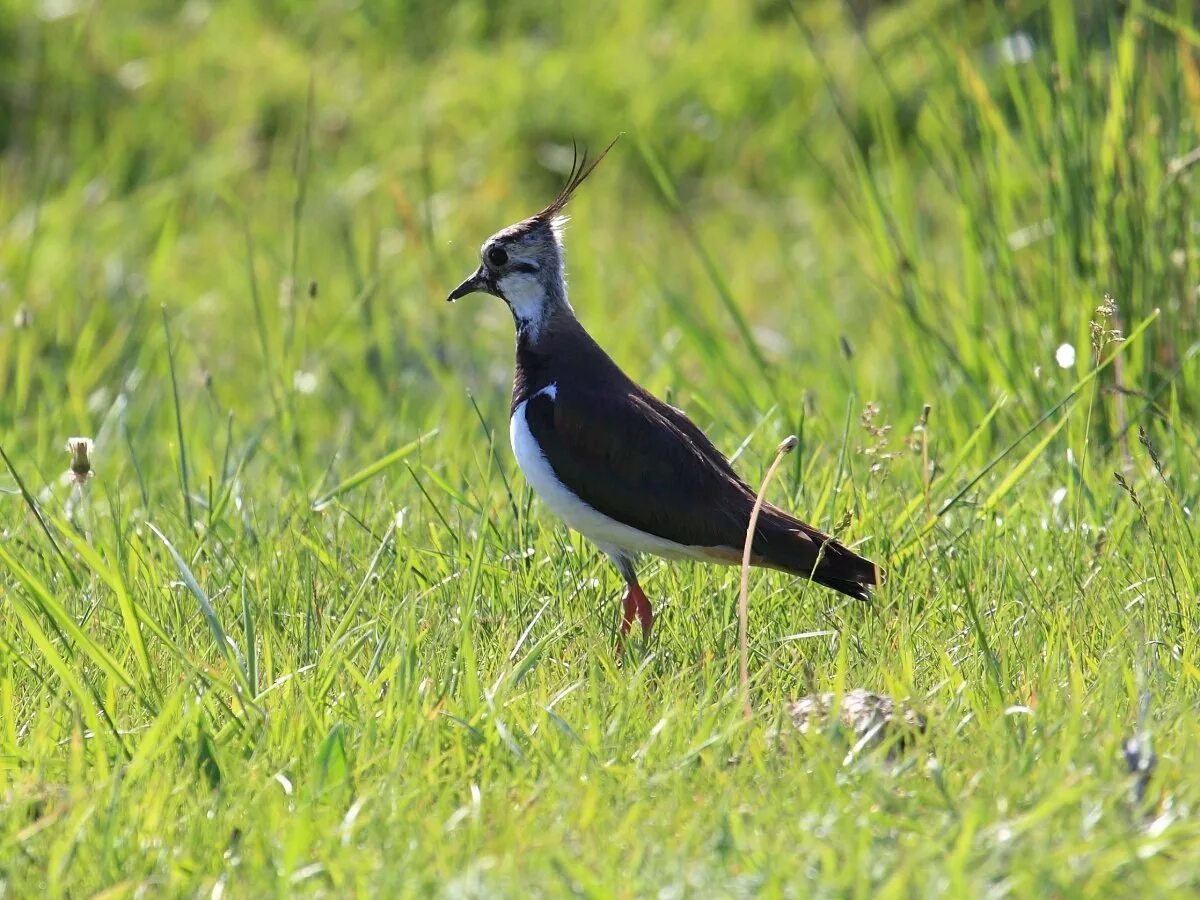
629,472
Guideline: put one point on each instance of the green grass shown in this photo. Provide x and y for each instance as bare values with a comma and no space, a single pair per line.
307,631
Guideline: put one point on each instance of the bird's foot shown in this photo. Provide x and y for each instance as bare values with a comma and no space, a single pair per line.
637,606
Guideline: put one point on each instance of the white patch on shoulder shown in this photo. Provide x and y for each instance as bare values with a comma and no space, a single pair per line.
613,537
527,298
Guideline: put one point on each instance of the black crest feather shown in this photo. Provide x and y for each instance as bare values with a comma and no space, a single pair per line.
581,168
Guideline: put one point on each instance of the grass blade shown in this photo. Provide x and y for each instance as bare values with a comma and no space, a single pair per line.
183,467
226,645
370,471
56,612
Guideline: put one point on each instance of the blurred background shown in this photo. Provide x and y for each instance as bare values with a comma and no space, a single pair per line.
898,199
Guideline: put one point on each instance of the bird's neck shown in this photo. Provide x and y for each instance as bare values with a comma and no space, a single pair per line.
538,303
540,344
562,349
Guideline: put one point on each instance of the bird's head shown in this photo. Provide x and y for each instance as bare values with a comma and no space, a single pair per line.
523,264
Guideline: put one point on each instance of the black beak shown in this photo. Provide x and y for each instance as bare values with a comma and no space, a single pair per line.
478,282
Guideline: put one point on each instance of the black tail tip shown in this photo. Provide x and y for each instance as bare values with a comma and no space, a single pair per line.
861,592
860,586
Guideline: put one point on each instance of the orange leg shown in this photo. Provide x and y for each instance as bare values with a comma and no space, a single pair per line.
635,605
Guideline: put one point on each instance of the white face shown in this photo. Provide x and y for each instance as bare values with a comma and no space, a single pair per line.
522,268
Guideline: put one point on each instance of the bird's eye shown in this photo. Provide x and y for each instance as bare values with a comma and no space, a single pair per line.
497,256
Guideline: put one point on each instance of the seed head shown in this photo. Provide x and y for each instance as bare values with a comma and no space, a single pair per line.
80,449
1154,457
1105,327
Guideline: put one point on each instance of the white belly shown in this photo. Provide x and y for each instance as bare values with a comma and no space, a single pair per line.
611,536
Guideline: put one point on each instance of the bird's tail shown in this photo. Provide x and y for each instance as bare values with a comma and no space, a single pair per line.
784,542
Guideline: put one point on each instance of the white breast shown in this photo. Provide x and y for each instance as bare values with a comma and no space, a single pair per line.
611,536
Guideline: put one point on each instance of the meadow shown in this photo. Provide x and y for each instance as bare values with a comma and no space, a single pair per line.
303,629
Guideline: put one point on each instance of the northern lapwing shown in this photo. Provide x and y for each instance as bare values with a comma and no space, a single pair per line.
624,469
